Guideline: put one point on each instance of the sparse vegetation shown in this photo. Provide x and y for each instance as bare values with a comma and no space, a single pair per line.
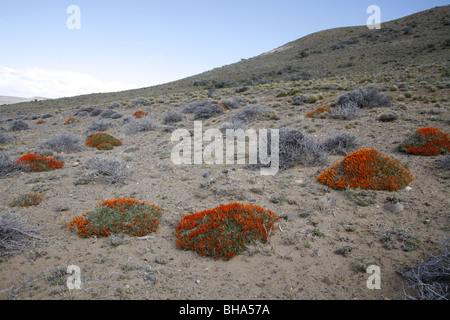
66,142
15,234
112,170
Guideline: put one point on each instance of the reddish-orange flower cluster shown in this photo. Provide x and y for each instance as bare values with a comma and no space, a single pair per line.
130,216
321,111
224,231
27,200
40,122
105,146
39,163
71,121
223,107
427,142
101,138
367,169
140,114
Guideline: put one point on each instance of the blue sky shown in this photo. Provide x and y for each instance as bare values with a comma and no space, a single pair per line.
136,43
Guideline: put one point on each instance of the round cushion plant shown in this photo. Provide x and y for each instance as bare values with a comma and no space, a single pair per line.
225,231
102,138
367,169
427,142
133,217
38,163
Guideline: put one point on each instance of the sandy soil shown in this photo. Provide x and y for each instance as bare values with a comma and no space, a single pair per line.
296,263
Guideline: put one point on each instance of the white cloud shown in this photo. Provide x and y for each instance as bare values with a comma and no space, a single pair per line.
33,82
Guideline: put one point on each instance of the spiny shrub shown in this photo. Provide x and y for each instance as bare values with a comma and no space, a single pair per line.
100,138
225,231
9,167
100,125
233,125
208,111
38,163
367,169
140,114
172,116
251,112
108,113
319,112
427,142
15,234
71,121
47,115
112,170
96,112
6,138
139,102
443,163
66,142
340,143
27,199
18,125
145,124
368,98
294,147
113,105
345,111
231,103
133,217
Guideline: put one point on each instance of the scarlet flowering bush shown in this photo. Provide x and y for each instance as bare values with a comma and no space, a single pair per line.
27,199
38,163
40,122
319,112
427,142
101,138
71,121
140,114
224,231
367,169
133,217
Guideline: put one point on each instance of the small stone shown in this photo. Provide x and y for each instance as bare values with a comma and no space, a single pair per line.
197,281
408,188
299,181
150,277
326,280
75,164
395,208
289,217
206,175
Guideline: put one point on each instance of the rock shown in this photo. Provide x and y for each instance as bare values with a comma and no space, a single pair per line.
75,164
394,207
206,175
289,217
150,277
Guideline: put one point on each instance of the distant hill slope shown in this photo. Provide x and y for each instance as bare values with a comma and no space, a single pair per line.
417,42
13,100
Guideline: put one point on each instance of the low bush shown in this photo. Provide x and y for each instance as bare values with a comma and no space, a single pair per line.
71,121
27,199
140,114
172,116
250,113
6,138
100,138
10,167
38,163
139,102
225,231
367,169
100,125
427,142
203,109
113,171
299,100
340,143
320,112
66,142
118,216
345,111
231,103
145,124
18,125
15,234
368,98
105,146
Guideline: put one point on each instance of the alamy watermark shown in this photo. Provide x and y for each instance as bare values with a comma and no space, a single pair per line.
191,149
374,281
374,21
73,22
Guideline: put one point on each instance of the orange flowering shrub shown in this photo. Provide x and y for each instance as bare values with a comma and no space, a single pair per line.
101,138
71,121
27,200
40,122
130,216
319,112
223,107
39,163
427,142
367,169
224,231
140,114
